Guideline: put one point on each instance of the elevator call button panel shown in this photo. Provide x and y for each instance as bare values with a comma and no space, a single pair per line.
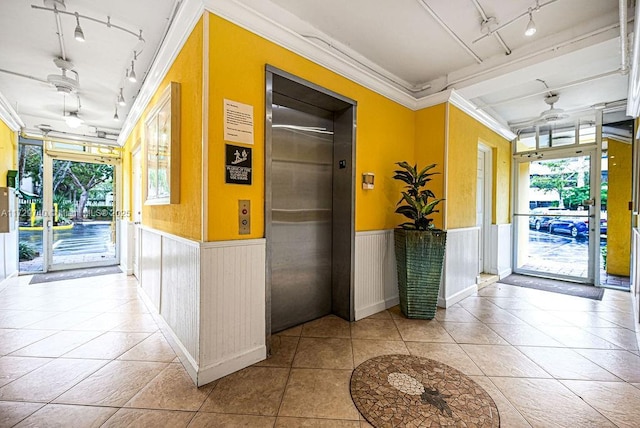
244,217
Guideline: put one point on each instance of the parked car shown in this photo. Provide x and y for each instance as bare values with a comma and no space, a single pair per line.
567,225
540,218
603,226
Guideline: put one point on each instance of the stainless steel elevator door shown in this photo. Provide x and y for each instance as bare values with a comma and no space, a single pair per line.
301,215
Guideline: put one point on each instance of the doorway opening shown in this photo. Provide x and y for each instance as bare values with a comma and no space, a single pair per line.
554,237
309,202
572,213
67,207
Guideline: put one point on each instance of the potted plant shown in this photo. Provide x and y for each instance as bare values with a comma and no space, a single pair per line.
419,245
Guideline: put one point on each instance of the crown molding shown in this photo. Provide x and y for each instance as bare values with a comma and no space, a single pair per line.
9,116
472,110
185,21
433,99
260,24
269,29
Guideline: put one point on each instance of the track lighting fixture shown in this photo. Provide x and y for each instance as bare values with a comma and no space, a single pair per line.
70,86
78,33
121,100
132,74
531,26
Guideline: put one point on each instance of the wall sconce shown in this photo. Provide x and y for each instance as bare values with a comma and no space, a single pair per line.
367,180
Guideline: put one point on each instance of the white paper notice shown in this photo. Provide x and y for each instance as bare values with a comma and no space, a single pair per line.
238,122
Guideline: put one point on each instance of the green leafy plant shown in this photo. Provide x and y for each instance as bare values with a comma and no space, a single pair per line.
26,252
417,202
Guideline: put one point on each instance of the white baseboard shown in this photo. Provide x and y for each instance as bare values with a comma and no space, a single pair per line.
5,282
460,295
370,310
505,273
190,365
125,269
231,365
392,301
377,307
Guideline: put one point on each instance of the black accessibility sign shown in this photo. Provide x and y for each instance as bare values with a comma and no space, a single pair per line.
238,165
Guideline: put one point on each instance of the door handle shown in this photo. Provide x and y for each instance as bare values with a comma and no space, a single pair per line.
589,202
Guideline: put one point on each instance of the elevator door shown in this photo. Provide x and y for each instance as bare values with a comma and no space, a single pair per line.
301,213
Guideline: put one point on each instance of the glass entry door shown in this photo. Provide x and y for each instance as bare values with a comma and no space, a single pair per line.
557,208
81,222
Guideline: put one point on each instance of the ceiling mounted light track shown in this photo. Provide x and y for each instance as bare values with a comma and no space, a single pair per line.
526,13
67,84
56,9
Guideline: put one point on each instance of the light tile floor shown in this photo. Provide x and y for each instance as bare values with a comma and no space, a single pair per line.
86,352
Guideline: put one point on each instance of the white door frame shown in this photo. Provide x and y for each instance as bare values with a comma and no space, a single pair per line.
136,190
487,209
595,156
48,157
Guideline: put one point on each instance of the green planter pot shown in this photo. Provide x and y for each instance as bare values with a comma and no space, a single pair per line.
419,259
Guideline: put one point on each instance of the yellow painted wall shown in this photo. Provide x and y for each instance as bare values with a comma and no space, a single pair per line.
465,133
385,131
183,219
8,152
430,144
618,213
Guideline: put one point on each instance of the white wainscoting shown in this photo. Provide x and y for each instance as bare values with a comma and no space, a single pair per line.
209,299
8,255
500,257
151,265
635,278
460,266
233,307
376,281
127,230
180,290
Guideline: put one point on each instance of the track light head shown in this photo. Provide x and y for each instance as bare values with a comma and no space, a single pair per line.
531,26
78,33
132,74
115,115
121,100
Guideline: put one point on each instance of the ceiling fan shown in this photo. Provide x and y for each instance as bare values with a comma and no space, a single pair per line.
547,117
553,114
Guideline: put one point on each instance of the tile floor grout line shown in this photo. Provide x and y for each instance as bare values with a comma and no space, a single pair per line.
286,384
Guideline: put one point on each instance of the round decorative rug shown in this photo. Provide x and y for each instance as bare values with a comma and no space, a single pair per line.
409,391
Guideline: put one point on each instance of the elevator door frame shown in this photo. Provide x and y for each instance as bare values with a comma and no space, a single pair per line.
343,234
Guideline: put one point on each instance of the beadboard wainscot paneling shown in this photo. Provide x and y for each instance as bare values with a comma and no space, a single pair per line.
8,255
500,257
232,307
460,266
635,277
376,281
127,230
151,265
180,291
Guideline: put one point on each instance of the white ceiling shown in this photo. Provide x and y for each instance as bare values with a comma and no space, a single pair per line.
402,43
30,44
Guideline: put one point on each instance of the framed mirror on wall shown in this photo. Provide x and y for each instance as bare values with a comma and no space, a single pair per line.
162,148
